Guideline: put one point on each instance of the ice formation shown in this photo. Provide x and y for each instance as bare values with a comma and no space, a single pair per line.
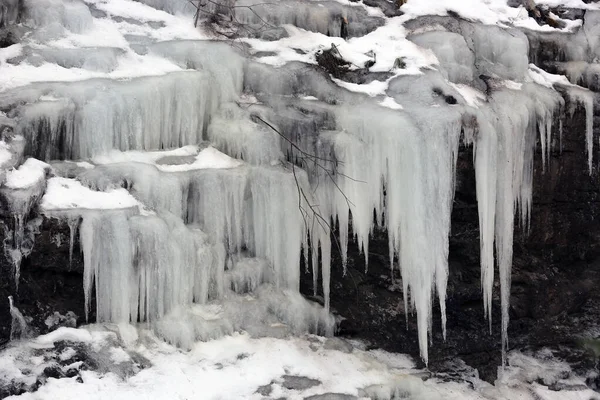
208,175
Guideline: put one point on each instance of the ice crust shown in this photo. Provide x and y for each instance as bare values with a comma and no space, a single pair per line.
195,185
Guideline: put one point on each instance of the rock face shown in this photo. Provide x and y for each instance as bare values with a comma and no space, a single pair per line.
556,265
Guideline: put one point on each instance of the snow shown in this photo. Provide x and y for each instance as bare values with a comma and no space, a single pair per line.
64,194
236,366
372,89
388,43
544,78
472,96
31,173
5,154
391,103
207,158
101,32
9,52
64,334
569,4
492,12
118,356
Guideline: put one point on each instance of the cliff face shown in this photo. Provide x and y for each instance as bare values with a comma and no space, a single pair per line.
556,264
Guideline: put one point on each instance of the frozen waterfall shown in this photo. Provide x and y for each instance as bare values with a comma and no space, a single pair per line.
198,173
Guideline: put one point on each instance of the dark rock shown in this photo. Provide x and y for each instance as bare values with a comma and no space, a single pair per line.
273,34
265,390
331,396
363,76
49,282
71,373
332,62
53,372
390,8
260,54
7,38
294,382
561,386
156,24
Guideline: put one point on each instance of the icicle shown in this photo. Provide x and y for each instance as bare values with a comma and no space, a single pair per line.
73,224
18,325
586,99
315,264
515,128
16,254
485,170
325,243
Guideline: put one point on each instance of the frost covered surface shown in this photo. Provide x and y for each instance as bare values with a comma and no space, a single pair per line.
127,362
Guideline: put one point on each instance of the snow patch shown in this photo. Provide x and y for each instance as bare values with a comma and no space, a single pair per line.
63,194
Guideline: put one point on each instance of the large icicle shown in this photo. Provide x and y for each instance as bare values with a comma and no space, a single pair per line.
585,98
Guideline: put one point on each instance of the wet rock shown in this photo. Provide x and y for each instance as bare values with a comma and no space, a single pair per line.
331,396
49,281
260,54
331,61
56,320
562,386
424,376
273,34
53,372
294,382
338,344
390,8
265,390
363,76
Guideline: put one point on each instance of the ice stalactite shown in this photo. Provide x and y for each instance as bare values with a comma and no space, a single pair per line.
18,326
486,157
155,264
505,144
53,16
584,98
73,224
